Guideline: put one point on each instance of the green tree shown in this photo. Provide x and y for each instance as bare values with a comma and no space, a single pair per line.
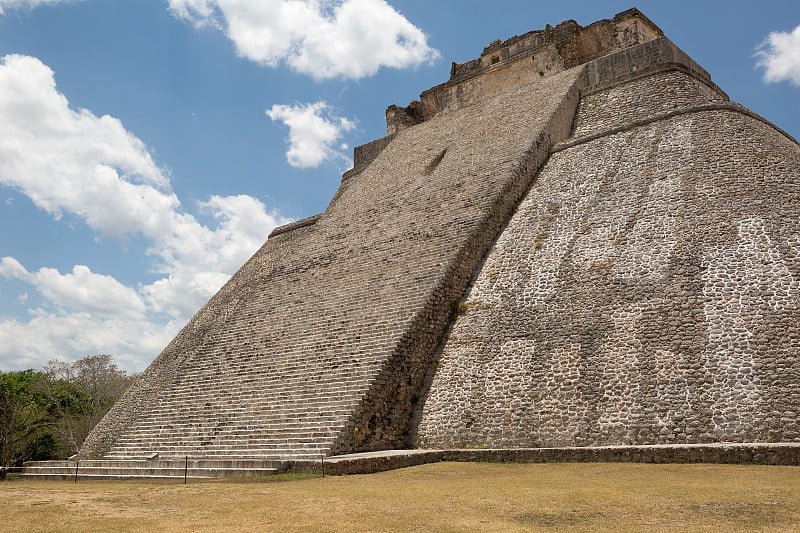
47,414
83,391
26,419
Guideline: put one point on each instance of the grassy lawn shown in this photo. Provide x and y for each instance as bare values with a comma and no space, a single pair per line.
436,497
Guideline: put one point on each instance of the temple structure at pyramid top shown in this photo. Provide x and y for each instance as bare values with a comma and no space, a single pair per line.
523,60
575,241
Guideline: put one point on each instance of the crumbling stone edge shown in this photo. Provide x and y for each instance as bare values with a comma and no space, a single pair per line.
776,454
296,225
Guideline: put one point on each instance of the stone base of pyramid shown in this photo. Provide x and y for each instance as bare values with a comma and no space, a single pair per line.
179,469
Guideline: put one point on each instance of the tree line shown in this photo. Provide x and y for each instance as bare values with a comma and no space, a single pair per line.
46,414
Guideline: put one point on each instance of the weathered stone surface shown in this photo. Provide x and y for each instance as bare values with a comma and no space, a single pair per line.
322,341
645,291
786,454
629,245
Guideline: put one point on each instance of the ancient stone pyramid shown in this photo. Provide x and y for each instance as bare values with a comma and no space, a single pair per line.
577,240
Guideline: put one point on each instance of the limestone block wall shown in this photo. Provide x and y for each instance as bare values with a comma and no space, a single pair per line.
500,78
657,92
646,290
366,153
612,69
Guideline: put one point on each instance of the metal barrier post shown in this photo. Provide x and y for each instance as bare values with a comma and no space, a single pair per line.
185,469
76,470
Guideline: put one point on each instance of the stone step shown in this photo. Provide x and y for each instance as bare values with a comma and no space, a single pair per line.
271,430
118,472
200,420
134,444
303,397
112,477
309,406
135,448
318,419
292,375
268,390
176,462
286,427
324,407
320,378
253,430
305,411
324,380
266,443
288,360
149,446
153,469
232,453
297,395
275,431
232,450
225,456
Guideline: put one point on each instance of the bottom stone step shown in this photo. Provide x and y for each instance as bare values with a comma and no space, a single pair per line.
152,469
113,477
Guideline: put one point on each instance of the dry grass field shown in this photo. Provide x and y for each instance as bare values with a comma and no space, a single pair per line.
437,497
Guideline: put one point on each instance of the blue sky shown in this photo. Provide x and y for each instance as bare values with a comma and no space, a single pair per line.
148,147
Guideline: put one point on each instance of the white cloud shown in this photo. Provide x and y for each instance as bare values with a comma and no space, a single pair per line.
779,56
240,232
10,268
28,4
313,131
81,291
47,335
71,161
320,38
182,293
200,12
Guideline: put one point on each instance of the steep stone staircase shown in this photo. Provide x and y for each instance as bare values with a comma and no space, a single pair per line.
215,422
227,417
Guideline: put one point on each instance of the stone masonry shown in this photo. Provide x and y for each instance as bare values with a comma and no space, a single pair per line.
645,291
576,241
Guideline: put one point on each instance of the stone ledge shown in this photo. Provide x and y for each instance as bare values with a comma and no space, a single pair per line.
785,454
295,225
646,72
726,106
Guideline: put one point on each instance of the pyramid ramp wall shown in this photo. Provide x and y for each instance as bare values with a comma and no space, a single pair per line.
646,290
319,344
